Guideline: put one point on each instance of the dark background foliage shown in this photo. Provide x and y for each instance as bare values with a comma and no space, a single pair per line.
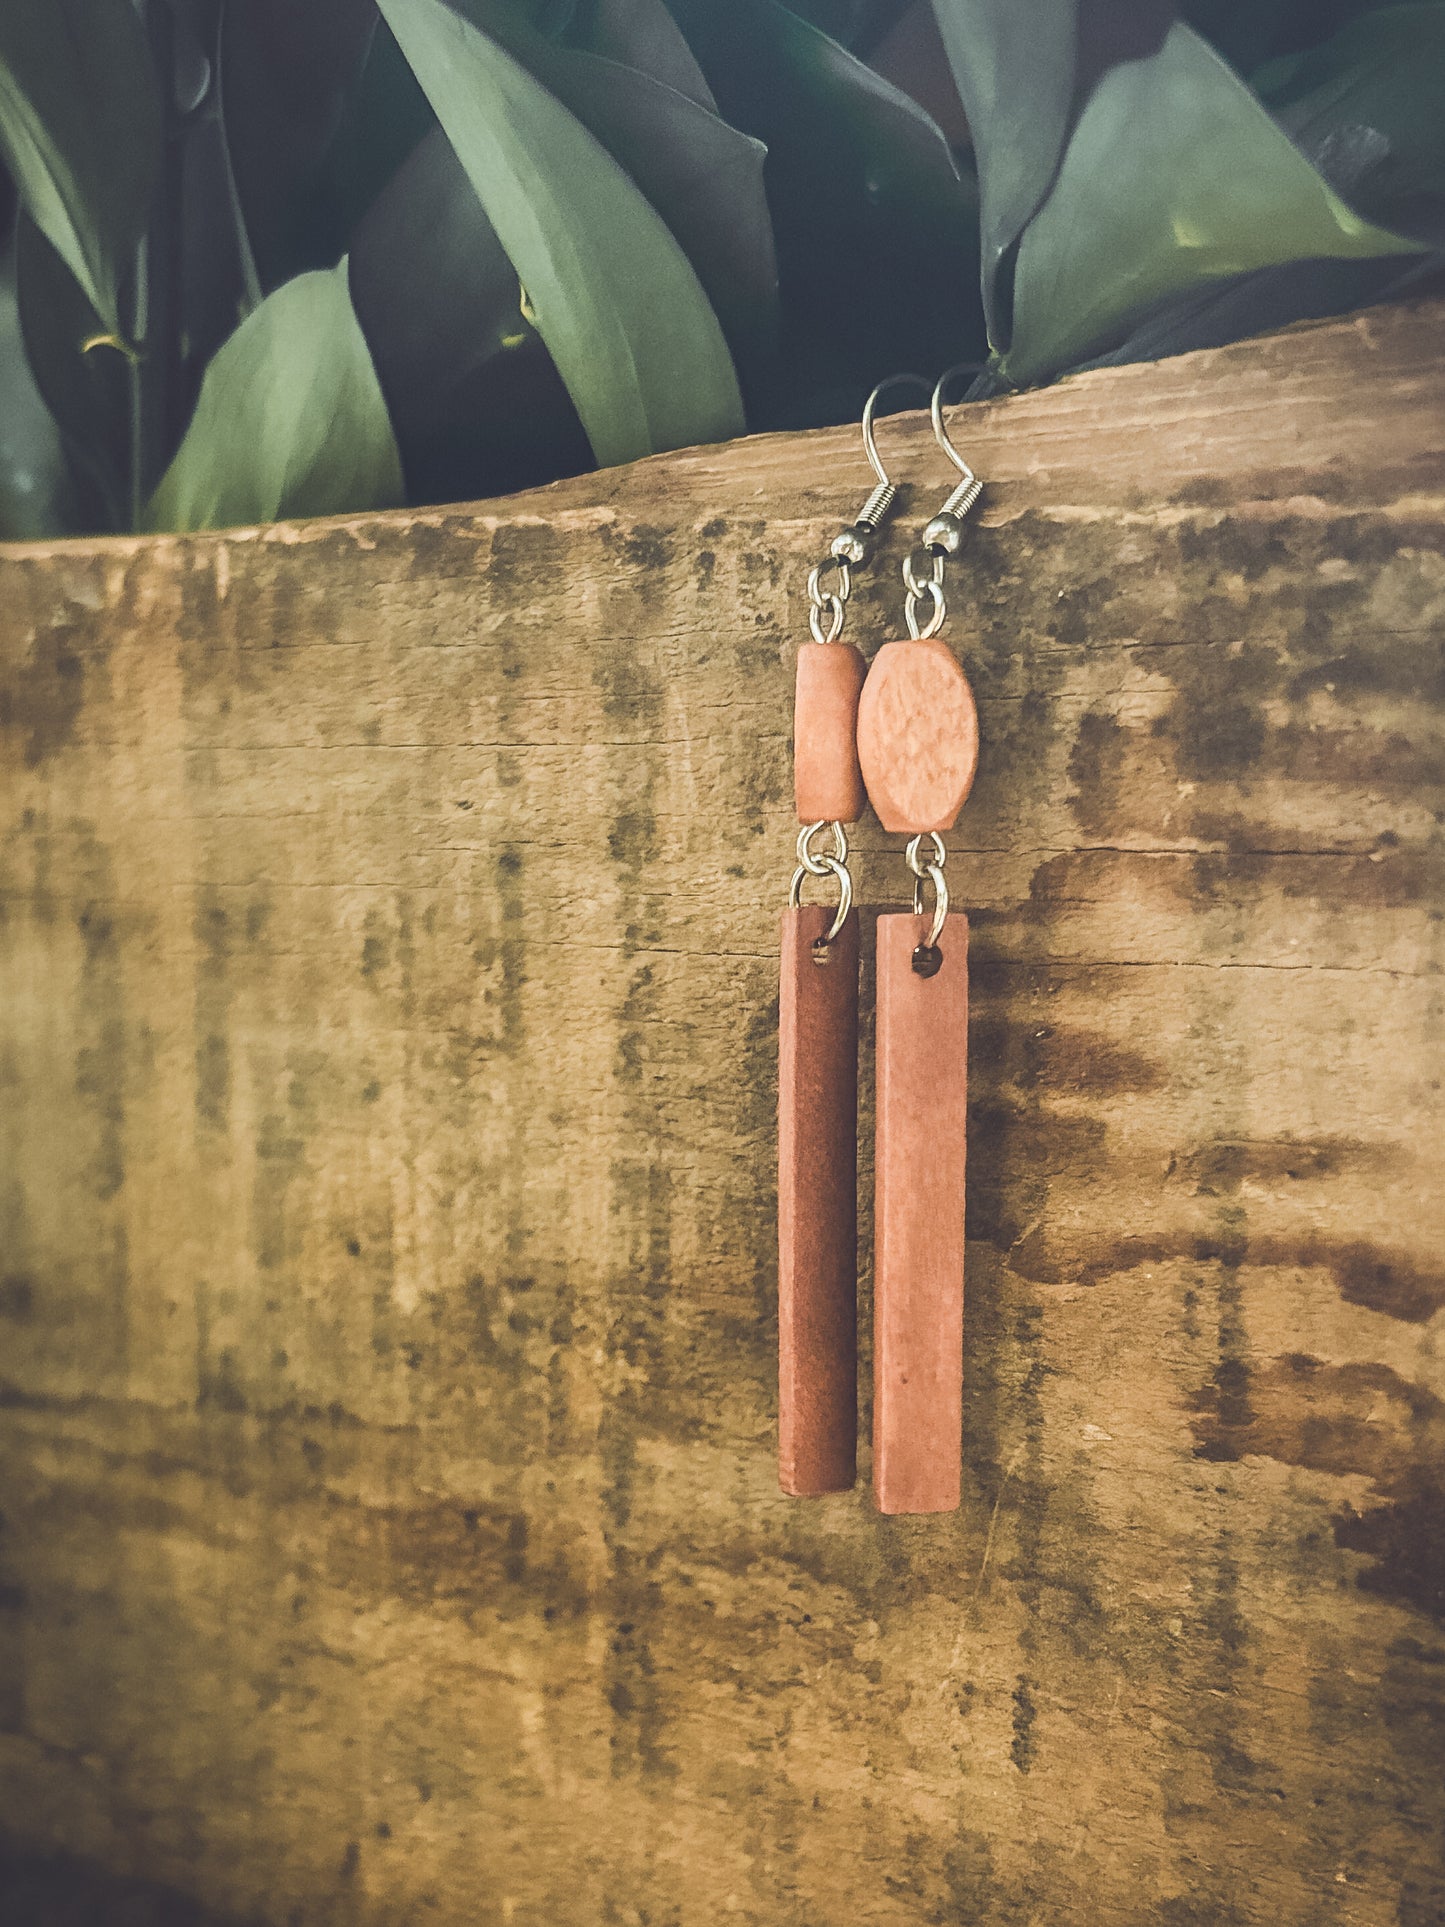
290,256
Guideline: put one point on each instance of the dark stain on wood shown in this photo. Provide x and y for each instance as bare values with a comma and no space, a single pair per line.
1053,1058
41,699
17,1297
1383,1280
212,1021
1348,1420
1406,1542
66,1890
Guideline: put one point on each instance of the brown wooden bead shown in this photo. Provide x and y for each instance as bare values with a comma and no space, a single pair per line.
922,1104
827,782
817,1205
917,736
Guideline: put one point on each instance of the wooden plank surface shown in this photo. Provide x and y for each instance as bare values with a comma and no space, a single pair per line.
387,1326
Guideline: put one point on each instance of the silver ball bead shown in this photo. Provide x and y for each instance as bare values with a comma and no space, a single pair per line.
849,546
944,534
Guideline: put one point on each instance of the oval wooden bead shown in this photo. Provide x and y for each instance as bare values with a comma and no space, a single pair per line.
917,736
827,782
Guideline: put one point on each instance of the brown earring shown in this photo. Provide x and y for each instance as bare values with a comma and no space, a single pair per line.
918,750
818,1035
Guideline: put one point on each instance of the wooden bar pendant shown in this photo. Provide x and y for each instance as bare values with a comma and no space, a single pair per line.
918,1218
817,1206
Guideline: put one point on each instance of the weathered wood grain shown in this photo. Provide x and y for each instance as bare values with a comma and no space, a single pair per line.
391,1532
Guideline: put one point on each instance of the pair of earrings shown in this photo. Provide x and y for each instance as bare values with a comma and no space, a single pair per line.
901,733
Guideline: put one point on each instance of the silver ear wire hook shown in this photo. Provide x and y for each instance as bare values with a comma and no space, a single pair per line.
855,545
870,413
944,534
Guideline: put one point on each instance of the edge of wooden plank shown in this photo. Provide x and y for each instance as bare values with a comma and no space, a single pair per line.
1309,396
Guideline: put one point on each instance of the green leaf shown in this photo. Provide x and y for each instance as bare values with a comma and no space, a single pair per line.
1022,74
1205,186
644,35
1122,163
477,405
290,419
619,307
80,132
703,177
1368,108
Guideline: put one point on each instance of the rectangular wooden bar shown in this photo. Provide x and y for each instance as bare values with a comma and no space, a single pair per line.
918,1266
817,1206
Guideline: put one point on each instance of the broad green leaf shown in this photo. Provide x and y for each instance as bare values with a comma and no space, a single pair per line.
703,177
1368,108
477,405
644,35
1020,72
620,309
290,419
1174,175
80,132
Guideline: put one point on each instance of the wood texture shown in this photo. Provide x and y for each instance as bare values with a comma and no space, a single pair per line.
917,736
920,1160
817,1204
827,782
387,1111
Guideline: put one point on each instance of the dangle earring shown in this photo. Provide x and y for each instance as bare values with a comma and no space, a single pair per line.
918,750
818,1034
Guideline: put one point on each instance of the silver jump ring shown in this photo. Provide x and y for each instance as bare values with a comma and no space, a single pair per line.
832,607
913,855
831,866
919,585
817,866
932,592
940,902
828,602
820,597
932,872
